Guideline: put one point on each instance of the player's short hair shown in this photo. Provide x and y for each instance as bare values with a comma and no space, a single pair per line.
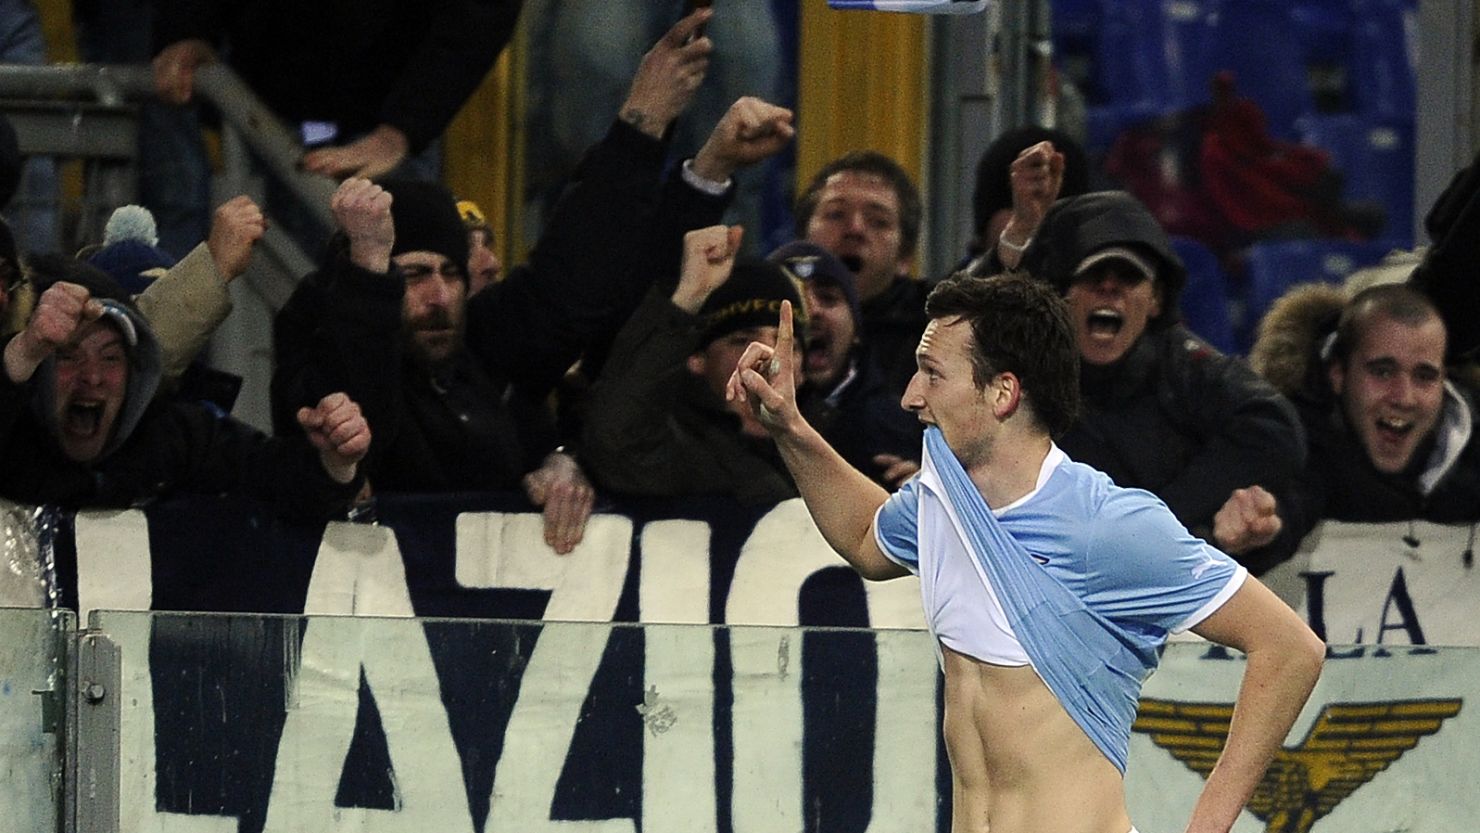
1019,325
1393,301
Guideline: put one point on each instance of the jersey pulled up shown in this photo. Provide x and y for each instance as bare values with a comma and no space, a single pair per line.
1082,579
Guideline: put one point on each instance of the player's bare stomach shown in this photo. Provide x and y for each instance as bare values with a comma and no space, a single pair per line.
1019,763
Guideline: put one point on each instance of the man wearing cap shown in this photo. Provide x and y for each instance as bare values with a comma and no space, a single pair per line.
850,404
1163,410
79,426
658,423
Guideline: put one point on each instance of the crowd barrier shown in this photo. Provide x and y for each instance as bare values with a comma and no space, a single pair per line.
712,669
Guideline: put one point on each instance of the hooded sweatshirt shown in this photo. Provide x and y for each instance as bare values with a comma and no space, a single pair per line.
156,448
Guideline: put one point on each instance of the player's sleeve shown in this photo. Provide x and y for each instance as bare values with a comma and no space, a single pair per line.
896,526
1150,569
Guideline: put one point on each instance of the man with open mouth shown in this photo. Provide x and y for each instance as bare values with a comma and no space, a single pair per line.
848,396
1392,436
864,208
80,425
1163,410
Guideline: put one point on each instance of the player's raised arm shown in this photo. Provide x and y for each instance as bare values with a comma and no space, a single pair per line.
842,499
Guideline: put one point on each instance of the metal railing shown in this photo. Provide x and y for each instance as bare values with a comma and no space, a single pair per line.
93,113
90,112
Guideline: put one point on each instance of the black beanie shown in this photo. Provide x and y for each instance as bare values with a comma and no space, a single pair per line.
426,220
752,298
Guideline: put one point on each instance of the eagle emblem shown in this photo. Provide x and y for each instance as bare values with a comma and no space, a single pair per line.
1348,745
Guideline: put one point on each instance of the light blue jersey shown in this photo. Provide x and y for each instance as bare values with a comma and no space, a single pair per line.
1091,578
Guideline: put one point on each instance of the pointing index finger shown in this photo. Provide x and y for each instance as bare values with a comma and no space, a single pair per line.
782,359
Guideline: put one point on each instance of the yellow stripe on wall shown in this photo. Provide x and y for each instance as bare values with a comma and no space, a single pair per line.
864,85
483,150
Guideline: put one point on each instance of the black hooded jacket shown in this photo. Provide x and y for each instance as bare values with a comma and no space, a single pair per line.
481,424
1173,416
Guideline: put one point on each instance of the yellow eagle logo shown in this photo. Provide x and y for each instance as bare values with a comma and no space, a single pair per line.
1348,745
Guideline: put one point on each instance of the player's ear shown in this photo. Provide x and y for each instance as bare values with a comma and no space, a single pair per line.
1005,393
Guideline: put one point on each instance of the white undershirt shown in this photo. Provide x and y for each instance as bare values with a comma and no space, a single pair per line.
960,604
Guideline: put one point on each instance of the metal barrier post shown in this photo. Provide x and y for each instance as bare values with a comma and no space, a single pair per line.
94,741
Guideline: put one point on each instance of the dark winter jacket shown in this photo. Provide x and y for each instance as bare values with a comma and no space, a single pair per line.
1173,416
158,448
654,429
410,64
482,425
462,430
861,418
1190,425
1339,481
893,322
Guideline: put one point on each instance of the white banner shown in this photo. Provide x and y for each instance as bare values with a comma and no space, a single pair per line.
1390,740
1385,584
250,724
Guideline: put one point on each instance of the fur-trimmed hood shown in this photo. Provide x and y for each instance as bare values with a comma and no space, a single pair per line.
1287,350
1289,354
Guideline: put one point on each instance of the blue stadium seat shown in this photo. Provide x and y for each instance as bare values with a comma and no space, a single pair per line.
1185,37
1324,29
1103,123
1149,62
1130,56
1376,157
1152,52
1205,308
1257,41
1276,266
1381,71
1076,25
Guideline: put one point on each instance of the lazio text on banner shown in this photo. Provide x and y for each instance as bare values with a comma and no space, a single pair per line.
256,723
690,561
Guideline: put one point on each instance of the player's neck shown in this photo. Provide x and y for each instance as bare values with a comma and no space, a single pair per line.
1010,469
